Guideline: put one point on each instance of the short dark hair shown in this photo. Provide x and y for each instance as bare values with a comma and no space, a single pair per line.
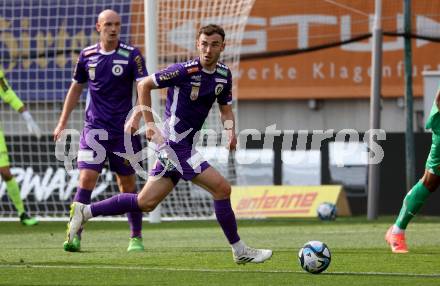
212,29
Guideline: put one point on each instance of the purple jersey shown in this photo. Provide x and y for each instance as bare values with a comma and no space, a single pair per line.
191,93
110,77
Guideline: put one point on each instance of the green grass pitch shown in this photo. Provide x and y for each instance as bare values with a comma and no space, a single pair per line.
196,253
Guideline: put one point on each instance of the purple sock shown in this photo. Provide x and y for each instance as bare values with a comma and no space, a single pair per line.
83,196
226,219
116,205
135,221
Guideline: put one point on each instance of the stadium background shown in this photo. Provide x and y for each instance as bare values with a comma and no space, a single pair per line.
294,73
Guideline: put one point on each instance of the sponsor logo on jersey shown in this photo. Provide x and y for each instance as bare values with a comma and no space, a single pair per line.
223,72
196,77
222,65
123,53
117,70
168,75
221,80
194,92
192,70
93,59
195,83
139,65
218,89
123,62
190,63
126,47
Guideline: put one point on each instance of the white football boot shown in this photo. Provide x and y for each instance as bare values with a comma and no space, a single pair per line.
77,219
252,255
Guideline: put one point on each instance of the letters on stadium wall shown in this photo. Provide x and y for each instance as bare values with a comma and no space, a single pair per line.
286,201
339,72
55,183
38,46
42,178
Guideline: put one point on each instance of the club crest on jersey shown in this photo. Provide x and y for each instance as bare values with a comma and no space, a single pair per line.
218,89
117,70
92,72
194,92
221,80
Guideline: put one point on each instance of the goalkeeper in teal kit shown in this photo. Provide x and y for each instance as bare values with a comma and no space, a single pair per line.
417,196
9,96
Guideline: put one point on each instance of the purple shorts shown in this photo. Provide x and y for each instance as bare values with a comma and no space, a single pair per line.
181,162
95,148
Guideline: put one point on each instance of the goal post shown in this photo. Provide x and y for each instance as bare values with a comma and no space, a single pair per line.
176,27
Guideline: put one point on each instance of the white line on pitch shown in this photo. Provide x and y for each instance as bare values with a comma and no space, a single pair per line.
427,275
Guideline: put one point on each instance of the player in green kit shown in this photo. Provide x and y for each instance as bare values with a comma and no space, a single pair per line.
9,96
417,196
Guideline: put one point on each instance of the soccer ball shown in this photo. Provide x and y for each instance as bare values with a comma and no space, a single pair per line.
314,257
326,211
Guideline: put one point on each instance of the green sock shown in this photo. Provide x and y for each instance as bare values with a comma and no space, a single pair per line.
412,203
14,195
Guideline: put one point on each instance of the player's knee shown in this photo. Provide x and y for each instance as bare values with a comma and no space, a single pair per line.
224,189
146,204
431,181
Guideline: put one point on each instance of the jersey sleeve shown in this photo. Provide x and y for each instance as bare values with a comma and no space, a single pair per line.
139,66
225,97
80,72
8,95
171,76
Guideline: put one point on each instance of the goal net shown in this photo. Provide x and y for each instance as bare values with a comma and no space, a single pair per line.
39,44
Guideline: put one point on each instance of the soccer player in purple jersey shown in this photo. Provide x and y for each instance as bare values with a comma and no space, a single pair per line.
193,87
110,68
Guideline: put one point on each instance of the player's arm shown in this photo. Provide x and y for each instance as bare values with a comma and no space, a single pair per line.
144,89
10,97
132,124
70,102
80,77
139,73
228,120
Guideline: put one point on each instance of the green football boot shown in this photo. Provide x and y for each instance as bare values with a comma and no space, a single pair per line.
26,220
74,246
135,244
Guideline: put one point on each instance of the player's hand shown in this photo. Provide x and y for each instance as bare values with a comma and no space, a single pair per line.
132,125
58,131
154,134
232,141
31,125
